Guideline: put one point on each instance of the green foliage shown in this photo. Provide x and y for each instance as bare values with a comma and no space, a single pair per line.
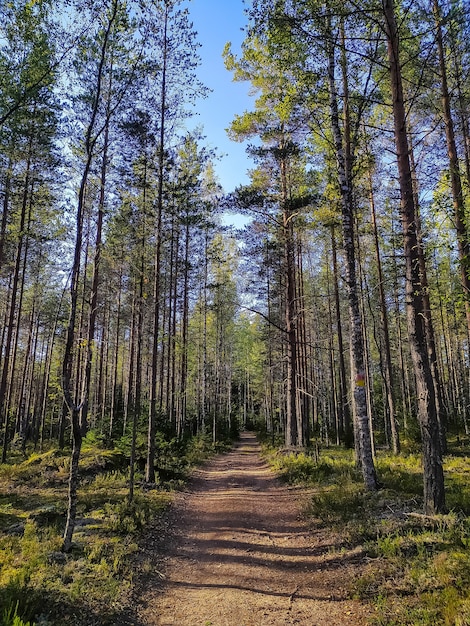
128,518
24,562
303,467
10,617
402,474
94,439
198,449
345,501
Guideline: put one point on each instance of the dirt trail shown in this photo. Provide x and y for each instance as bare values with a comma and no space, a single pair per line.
240,554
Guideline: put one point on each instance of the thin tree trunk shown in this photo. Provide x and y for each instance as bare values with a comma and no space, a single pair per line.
78,409
388,369
184,334
13,313
137,401
430,335
47,372
346,429
152,423
293,436
5,210
335,401
112,409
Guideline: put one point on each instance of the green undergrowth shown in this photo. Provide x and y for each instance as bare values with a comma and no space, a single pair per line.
40,585
415,568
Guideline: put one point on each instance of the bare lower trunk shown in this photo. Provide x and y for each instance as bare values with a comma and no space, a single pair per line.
293,436
73,480
152,421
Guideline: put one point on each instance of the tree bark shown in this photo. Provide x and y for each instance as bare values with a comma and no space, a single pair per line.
293,436
346,432
152,422
460,219
343,159
77,407
388,370
434,496
13,313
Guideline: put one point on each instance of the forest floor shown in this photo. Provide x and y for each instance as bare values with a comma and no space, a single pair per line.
236,550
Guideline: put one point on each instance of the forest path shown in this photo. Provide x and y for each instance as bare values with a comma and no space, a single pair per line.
238,553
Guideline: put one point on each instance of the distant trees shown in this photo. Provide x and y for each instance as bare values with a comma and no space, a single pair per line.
281,193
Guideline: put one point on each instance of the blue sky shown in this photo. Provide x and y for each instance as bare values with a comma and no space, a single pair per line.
216,22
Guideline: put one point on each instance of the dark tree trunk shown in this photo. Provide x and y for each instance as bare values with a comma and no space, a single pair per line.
460,219
78,407
13,313
387,360
152,422
346,433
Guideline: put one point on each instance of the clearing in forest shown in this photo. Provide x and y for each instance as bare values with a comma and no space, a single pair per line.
238,552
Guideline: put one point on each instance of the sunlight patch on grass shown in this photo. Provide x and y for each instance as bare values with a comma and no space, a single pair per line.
417,568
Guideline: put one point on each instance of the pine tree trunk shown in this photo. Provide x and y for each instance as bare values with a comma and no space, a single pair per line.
77,438
346,433
434,496
114,374
78,409
343,158
388,370
137,398
5,210
184,335
152,421
293,436
13,313
460,218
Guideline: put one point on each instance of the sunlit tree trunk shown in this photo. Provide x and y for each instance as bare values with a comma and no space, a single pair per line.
343,160
293,436
14,314
460,218
434,496
114,373
78,406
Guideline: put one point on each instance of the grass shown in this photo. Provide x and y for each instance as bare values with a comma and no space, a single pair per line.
39,585
416,569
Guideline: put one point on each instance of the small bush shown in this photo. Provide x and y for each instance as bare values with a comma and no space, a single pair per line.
128,518
198,449
339,503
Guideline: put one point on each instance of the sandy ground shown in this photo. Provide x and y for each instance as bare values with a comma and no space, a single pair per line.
236,551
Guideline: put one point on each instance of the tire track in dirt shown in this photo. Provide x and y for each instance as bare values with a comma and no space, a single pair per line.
238,553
